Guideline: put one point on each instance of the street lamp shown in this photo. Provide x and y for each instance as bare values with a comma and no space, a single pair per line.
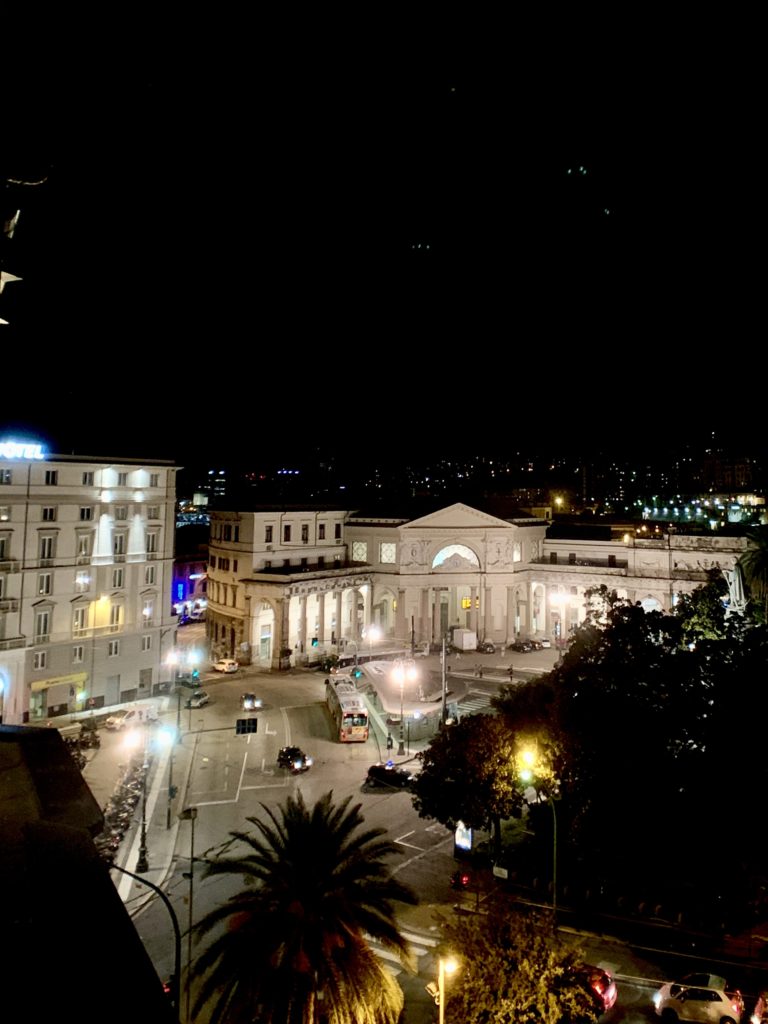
528,758
372,633
190,814
445,965
167,736
133,739
176,986
402,670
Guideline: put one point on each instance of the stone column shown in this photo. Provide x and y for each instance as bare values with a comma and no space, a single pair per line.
354,627
511,610
339,633
437,591
321,618
488,617
281,638
302,638
425,633
400,630
473,609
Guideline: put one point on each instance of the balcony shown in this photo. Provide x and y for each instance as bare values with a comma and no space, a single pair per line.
119,557
10,645
9,566
9,604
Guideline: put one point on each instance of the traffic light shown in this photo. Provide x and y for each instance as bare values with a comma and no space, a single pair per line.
357,673
244,725
195,673
315,641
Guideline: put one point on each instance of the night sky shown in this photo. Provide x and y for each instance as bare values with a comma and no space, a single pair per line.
442,231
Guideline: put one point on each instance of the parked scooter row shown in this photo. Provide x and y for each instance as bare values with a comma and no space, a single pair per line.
119,810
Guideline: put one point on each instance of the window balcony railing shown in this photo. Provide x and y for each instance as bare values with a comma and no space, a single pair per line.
119,557
9,604
9,566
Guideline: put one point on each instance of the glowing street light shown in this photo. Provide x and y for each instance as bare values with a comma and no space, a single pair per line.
402,670
373,633
528,757
446,965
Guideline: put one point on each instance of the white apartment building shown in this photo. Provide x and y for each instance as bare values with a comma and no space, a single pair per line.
287,584
86,563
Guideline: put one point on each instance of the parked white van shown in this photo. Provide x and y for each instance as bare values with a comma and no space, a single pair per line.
139,714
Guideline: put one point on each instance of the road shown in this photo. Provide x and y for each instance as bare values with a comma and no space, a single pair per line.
230,776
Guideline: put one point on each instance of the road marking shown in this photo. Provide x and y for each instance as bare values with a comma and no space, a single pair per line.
412,860
401,840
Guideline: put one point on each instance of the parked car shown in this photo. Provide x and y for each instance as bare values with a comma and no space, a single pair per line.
536,645
225,665
388,775
546,643
294,759
702,998
521,646
139,714
198,699
486,647
250,702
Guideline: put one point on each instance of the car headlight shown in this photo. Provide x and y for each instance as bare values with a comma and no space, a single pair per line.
656,999
297,765
308,762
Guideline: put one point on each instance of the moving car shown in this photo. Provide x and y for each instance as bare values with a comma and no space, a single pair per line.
486,647
139,714
702,998
250,702
294,759
388,775
225,665
521,646
599,985
198,699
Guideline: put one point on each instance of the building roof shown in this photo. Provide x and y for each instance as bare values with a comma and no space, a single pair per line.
71,949
407,510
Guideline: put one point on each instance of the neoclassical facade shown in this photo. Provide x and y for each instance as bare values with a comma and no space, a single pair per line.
288,584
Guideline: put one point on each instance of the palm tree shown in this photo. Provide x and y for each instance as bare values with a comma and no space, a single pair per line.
294,948
754,562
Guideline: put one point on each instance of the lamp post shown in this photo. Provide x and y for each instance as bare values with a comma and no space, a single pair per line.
402,670
526,775
190,814
446,965
176,985
167,736
133,739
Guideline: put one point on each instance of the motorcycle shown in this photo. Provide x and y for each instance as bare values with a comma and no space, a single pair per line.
459,879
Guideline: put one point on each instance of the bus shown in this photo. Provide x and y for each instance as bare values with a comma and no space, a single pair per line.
348,711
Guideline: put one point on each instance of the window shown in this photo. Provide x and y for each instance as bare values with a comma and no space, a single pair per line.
224,564
113,649
118,544
304,562
117,578
5,476
304,533
321,531
517,552
320,562
267,534
79,620
267,565
121,511
83,547
146,642
82,581
227,532
49,514
115,617
44,583
42,627
148,612
388,553
149,575
286,534
78,653
234,565
88,479
359,551
337,531
153,512
237,534
46,549
5,513
51,477
3,545
40,659
154,479
213,561
86,513
122,479
151,543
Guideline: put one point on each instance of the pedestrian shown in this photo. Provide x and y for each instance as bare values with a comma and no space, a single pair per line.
458,655
390,741
480,671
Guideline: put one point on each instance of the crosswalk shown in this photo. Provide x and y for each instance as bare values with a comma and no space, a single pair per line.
475,703
420,946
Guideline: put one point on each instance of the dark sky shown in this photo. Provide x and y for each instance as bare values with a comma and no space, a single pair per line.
233,235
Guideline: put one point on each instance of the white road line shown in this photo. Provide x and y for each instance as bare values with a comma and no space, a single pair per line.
412,860
401,841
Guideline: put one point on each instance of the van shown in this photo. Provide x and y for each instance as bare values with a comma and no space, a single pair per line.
139,714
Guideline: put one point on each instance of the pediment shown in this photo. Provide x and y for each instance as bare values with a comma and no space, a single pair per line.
456,517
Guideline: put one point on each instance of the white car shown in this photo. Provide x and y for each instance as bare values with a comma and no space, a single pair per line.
702,998
225,665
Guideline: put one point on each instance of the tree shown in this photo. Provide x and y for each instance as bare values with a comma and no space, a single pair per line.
470,774
702,612
293,949
514,970
754,562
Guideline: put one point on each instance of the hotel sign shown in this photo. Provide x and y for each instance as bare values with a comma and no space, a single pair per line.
20,450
